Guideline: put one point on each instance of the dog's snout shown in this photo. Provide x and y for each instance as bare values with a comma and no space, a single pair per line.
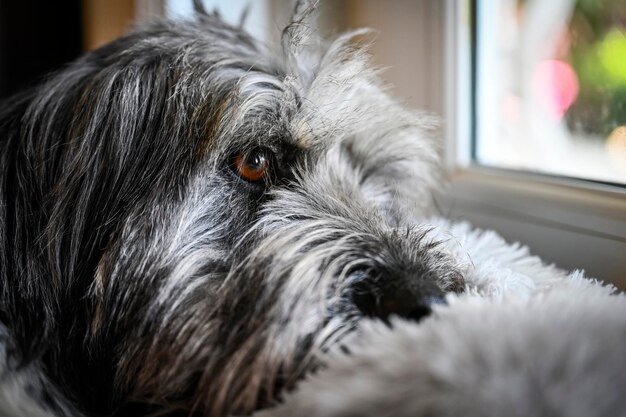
394,299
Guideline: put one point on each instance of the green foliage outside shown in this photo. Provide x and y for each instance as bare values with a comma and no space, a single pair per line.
597,34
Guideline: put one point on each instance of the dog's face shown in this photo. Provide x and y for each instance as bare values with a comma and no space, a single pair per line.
189,221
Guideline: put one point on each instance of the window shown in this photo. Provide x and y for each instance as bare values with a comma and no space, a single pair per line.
534,147
551,87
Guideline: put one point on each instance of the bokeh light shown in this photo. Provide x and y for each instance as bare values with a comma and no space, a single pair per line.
612,55
556,86
616,148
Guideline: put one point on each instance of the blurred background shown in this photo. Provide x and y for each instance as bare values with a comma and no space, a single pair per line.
531,93
553,70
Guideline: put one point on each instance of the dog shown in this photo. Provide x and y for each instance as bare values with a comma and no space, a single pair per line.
189,219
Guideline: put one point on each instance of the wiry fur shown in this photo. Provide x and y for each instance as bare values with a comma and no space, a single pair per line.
140,275
525,339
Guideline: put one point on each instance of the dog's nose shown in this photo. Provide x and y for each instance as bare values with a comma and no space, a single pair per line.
402,302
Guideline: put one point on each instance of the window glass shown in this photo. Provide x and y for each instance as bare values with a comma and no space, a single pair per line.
551,87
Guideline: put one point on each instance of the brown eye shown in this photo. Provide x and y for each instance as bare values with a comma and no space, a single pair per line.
252,166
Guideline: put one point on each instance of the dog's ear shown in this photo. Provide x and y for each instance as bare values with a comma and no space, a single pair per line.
301,42
303,8
302,24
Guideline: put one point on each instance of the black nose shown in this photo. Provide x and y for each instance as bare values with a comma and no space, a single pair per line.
397,300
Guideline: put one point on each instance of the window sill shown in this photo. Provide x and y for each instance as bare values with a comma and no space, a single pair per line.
572,223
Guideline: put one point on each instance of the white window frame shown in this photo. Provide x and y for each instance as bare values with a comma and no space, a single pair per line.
574,223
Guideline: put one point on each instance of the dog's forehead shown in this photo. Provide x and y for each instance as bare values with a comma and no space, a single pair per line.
236,91
310,90
314,100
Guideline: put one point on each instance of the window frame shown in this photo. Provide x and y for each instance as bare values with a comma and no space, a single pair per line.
514,202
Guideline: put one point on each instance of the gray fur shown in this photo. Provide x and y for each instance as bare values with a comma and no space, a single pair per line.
140,275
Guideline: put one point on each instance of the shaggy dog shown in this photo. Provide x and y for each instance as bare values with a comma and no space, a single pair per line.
188,219
191,223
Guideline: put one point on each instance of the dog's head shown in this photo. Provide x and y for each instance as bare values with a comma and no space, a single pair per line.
189,220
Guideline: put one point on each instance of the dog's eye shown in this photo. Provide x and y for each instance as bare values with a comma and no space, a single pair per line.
252,166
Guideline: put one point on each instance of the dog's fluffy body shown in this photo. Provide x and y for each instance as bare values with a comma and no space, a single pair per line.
140,274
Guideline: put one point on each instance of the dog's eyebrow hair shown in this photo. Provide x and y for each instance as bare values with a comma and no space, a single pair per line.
268,85
266,94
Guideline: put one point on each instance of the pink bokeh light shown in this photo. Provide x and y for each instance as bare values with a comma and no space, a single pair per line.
555,85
